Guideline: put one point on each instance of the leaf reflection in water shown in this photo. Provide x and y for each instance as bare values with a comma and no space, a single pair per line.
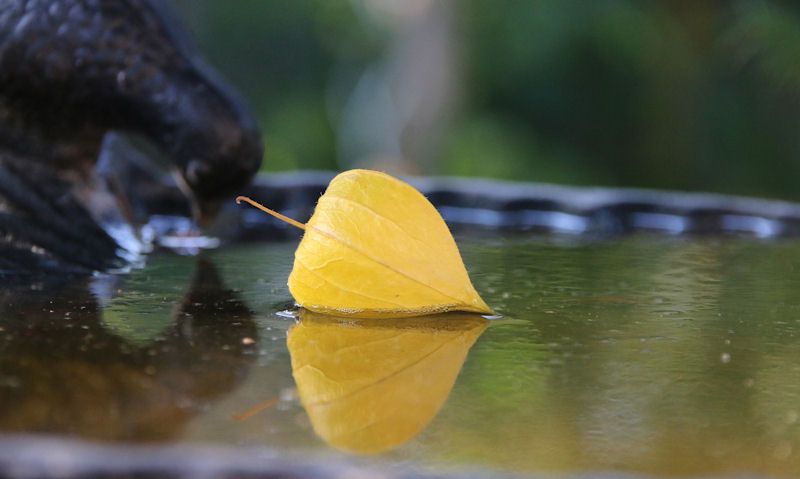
371,385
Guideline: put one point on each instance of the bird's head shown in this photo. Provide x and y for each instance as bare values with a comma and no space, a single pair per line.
215,146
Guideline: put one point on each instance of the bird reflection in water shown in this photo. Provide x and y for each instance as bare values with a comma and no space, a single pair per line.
62,371
371,385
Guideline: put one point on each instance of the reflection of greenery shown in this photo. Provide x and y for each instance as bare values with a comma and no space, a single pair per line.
146,310
143,308
696,95
259,271
661,356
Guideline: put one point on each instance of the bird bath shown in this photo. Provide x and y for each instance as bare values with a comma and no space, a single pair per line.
644,333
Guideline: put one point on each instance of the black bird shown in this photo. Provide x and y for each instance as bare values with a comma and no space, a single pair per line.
70,72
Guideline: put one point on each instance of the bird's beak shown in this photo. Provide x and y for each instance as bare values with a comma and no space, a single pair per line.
205,211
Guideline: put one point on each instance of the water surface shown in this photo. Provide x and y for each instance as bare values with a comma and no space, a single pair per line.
647,354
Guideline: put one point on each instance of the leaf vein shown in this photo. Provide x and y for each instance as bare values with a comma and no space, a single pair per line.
347,290
381,263
379,215
388,376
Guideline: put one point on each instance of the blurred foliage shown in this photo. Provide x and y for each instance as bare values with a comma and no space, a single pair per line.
682,94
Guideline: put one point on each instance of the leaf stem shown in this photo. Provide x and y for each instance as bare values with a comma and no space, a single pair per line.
263,208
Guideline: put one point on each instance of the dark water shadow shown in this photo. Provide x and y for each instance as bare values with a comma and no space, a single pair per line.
63,371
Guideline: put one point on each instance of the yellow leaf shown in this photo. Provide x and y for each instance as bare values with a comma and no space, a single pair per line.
375,246
370,385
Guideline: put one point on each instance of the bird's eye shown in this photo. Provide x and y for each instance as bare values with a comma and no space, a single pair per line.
195,170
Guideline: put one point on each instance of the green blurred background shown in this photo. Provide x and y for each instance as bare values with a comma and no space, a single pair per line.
679,94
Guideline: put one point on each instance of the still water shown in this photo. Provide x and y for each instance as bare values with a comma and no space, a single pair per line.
646,354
